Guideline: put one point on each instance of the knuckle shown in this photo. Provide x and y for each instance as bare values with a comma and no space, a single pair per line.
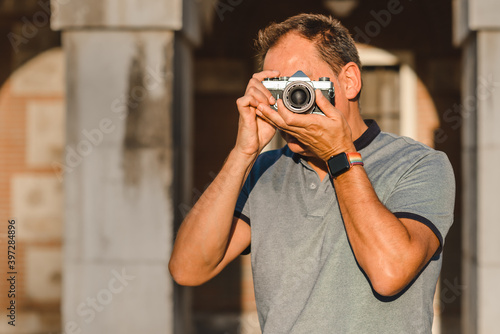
240,100
251,90
314,128
256,75
254,81
288,118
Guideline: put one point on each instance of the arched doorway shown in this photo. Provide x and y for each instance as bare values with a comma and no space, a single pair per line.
32,114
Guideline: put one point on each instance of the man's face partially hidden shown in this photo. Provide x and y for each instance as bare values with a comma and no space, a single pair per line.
291,54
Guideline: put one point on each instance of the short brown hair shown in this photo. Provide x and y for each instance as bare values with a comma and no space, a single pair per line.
333,41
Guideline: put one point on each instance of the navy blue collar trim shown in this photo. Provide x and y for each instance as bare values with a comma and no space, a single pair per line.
368,136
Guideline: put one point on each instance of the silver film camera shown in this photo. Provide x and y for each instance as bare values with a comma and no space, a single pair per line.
298,92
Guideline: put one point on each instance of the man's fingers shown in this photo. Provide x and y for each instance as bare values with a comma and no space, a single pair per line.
246,101
284,118
260,93
271,116
294,120
256,87
326,107
266,112
266,74
274,118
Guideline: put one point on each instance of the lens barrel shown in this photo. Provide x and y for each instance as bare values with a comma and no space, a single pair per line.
299,97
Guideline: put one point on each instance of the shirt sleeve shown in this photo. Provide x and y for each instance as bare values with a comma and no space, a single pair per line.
426,193
242,210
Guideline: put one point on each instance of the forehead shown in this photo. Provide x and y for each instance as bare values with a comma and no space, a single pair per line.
294,52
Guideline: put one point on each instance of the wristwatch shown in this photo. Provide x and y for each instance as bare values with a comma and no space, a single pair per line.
341,163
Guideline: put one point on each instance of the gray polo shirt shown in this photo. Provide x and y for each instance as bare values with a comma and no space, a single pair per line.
306,277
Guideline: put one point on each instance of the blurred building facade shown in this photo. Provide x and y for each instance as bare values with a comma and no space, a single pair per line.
115,115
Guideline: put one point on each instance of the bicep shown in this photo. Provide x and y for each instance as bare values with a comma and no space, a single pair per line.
423,240
425,197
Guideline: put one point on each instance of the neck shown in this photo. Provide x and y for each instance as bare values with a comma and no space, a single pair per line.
356,122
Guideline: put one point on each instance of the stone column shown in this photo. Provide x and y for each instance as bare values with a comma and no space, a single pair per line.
488,177
118,167
477,29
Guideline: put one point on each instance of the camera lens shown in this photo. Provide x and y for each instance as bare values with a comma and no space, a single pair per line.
299,97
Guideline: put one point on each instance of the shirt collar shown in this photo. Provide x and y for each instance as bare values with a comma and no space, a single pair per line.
368,136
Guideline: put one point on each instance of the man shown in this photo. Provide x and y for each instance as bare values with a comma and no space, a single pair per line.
336,246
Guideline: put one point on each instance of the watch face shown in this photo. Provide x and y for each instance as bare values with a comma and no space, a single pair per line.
338,164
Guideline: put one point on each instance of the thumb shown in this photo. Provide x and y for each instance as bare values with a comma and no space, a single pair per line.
326,107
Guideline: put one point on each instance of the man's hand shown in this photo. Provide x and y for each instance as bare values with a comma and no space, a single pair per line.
210,237
253,132
324,136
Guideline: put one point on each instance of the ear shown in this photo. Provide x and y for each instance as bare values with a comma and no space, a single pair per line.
352,80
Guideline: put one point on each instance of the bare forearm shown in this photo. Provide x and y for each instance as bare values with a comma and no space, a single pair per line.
203,237
382,244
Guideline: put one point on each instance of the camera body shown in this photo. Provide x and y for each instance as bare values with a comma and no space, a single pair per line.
298,92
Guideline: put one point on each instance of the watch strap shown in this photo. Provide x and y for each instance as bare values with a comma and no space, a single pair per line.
355,158
341,163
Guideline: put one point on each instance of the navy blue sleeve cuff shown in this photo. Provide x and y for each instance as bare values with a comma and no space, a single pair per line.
241,216
427,223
